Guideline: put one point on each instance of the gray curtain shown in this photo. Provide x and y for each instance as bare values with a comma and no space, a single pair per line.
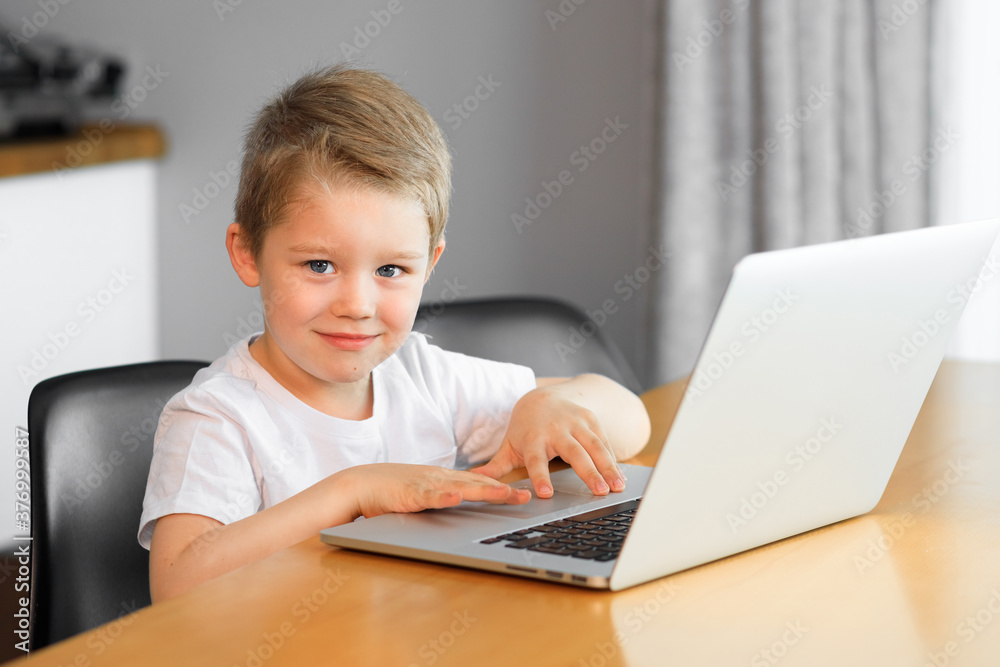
783,123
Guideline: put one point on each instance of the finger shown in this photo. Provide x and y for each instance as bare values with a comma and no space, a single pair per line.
491,469
537,466
512,497
443,499
495,493
498,466
595,442
580,460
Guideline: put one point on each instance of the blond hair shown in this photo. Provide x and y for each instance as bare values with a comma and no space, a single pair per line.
340,124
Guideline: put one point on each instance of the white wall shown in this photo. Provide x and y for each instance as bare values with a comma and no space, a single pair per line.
556,89
968,185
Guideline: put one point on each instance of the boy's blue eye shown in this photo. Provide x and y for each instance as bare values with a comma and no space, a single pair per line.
320,266
388,271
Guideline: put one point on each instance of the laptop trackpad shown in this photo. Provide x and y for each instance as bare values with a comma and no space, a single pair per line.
570,491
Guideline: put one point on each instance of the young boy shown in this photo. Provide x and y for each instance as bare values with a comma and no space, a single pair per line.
337,410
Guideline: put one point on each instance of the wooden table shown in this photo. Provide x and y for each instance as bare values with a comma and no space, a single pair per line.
915,582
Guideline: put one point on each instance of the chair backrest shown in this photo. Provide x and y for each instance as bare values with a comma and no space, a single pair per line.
551,337
91,437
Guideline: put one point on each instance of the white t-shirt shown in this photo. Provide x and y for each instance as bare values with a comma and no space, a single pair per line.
235,441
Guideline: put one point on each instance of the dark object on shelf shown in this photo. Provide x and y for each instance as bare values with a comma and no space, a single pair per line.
44,83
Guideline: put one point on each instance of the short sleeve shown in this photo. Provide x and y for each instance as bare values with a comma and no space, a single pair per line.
201,465
478,393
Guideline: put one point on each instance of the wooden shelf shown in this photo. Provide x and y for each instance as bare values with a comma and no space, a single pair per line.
96,143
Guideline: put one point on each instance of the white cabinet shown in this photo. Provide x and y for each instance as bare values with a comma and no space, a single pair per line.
79,282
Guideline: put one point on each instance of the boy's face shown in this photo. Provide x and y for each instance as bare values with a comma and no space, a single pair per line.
340,279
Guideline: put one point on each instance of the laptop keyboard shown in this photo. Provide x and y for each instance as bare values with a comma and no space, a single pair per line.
596,535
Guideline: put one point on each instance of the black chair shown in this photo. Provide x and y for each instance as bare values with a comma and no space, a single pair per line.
91,442
551,337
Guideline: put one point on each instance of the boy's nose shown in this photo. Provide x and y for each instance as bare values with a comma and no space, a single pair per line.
356,299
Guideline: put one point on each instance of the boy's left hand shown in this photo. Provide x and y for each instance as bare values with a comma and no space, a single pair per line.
546,423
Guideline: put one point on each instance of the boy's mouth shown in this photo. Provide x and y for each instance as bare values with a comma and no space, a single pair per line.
348,341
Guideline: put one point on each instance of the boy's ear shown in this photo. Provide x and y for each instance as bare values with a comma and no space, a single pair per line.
435,256
241,257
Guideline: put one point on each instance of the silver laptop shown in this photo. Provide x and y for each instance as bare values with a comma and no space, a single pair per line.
804,393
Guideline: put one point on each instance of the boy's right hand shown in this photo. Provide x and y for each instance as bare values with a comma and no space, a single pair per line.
188,549
380,488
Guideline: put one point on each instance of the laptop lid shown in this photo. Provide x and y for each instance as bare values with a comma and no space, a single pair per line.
804,393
